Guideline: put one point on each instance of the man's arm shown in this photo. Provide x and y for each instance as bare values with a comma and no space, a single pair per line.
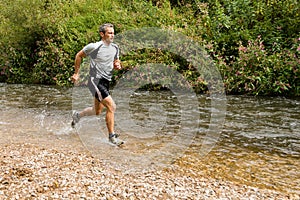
78,58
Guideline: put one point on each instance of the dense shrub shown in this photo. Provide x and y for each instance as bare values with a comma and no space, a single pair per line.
41,38
256,71
254,43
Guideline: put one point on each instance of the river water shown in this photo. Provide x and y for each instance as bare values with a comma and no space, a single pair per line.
258,145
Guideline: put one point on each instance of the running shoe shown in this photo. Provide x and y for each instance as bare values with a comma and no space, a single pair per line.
75,118
113,138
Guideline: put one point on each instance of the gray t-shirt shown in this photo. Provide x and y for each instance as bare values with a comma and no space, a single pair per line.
101,59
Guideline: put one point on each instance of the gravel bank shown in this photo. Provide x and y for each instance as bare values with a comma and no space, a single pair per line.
32,171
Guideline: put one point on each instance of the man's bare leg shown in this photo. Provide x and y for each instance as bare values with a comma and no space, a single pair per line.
95,110
110,105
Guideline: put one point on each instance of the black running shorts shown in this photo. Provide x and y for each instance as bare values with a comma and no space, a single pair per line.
99,88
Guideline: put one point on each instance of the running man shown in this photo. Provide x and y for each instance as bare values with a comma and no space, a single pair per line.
104,57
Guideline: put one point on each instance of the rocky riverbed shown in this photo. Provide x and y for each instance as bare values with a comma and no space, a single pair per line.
57,170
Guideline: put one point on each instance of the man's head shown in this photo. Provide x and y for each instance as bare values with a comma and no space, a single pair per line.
107,32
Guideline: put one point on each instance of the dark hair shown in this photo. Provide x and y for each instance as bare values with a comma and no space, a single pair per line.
103,27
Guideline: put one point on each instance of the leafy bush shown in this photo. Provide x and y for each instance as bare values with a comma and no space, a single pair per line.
42,38
257,72
252,42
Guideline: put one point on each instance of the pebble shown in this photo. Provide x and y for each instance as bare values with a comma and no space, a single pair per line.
32,172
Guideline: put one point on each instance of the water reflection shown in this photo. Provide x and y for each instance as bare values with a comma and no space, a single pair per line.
271,124
144,105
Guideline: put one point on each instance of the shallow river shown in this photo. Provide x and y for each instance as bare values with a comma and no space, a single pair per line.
258,143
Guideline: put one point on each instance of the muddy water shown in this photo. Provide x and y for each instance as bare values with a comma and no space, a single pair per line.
259,144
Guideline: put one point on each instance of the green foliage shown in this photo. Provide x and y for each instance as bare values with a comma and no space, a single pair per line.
169,62
254,43
249,64
257,72
41,38
230,22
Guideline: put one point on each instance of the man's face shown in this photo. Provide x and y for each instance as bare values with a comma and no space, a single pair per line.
108,36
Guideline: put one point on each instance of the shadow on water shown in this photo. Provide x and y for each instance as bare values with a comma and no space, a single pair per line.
259,144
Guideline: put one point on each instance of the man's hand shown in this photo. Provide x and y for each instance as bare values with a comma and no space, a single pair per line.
78,58
117,64
75,78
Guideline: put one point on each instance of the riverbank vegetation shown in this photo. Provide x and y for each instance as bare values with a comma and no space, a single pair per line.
254,44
